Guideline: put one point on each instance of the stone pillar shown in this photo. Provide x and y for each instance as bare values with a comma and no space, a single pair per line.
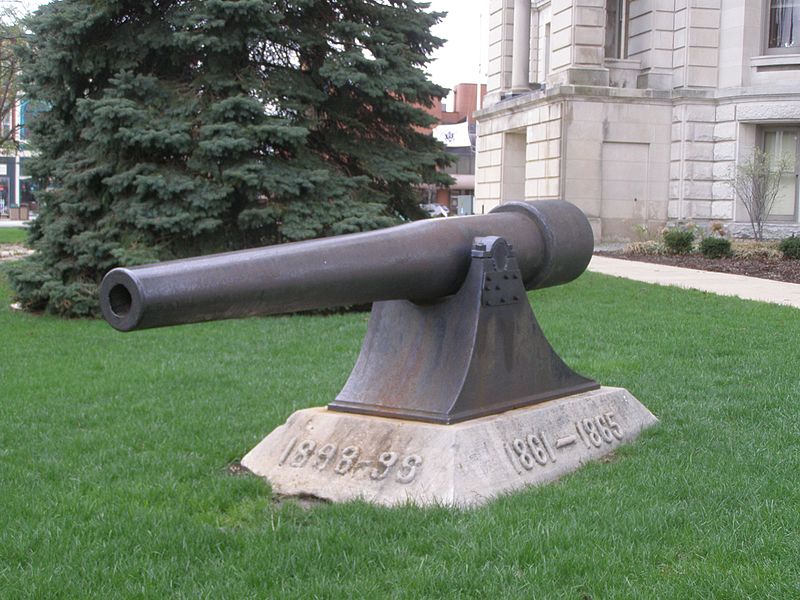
521,57
533,74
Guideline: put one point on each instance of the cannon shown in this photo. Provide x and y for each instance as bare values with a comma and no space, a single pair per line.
451,337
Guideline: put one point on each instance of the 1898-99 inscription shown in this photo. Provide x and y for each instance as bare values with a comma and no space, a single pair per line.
308,453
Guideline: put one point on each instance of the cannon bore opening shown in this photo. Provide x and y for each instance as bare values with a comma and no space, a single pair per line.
119,298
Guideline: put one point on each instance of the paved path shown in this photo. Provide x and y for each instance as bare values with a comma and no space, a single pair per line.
10,223
749,288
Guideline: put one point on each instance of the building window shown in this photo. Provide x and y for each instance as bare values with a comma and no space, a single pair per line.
617,28
5,126
783,143
784,26
464,162
546,62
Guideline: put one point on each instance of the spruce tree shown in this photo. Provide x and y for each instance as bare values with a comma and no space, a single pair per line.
176,128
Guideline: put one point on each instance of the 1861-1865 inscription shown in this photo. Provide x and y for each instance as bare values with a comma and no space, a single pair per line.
533,449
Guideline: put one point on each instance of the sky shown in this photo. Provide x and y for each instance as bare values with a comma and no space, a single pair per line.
22,5
463,57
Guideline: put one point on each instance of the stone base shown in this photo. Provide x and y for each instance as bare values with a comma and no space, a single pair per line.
594,76
340,456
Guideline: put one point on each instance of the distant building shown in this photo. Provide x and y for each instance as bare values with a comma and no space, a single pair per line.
638,110
16,193
456,130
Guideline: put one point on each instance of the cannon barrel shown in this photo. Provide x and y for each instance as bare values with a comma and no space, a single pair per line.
419,261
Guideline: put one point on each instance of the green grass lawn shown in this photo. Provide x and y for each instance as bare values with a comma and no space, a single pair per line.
13,235
114,454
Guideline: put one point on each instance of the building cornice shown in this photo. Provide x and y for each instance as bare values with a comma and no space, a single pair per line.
575,92
678,96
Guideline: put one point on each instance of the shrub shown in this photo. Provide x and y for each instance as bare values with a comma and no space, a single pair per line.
715,247
179,129
717,228
645,248
642,232
678,240
748,249
790,247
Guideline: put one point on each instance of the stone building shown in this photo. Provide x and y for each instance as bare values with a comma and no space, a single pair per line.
638,110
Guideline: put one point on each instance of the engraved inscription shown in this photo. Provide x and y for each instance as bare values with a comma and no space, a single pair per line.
510,456
303,453
325,455
408,470
349,457
287,451
599,429
533,450
386,460
565,441
308,453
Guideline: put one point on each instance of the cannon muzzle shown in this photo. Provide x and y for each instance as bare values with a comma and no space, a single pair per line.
419,261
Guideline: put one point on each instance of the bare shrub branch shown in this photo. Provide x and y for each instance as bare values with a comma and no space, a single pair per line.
756,181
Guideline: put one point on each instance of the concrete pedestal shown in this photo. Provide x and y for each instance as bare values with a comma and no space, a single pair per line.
338,456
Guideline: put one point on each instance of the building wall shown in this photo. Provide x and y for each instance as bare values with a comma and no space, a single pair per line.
617,156
539,128
500,38
645,138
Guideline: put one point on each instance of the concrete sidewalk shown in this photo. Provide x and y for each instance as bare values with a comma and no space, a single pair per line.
724,284
10,223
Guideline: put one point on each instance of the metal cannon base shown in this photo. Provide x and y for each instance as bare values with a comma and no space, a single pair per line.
340,457
475,353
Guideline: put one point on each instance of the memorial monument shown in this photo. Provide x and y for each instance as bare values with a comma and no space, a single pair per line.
456,396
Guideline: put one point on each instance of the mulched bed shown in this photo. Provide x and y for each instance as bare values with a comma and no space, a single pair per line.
778,270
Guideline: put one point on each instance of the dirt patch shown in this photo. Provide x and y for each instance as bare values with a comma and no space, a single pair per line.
304,501
776,269
237,468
